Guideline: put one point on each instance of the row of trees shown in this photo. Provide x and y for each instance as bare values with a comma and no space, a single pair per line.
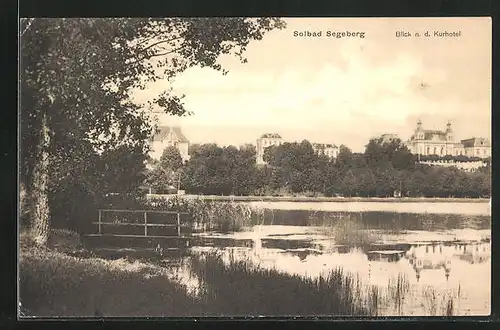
295,168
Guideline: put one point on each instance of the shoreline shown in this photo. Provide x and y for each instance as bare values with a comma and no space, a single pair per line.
331,199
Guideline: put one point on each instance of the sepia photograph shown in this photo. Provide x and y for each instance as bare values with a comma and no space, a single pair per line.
254,167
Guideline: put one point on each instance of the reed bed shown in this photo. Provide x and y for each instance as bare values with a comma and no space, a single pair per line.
351,232
211,215
240,288
397,290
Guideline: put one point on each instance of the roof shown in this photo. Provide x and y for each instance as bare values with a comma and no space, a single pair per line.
476,142
163,131
429,134
271,136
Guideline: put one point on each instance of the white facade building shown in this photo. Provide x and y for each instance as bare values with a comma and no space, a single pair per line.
169,136
265,141
329,150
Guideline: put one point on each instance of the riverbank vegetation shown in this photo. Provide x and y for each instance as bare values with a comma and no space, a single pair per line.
210,215
57,283
53,283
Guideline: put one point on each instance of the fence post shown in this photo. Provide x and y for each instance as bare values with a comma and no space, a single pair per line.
145,223
100,216
178,224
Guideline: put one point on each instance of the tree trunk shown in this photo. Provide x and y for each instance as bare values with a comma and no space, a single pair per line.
40,215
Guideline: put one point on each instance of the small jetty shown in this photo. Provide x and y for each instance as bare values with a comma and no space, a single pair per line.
140,233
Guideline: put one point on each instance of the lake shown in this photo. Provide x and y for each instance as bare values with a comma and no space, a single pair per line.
441,249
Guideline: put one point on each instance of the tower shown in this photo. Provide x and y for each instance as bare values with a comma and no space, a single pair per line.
449,132
418,132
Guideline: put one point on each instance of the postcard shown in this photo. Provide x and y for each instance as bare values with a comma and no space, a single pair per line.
255,167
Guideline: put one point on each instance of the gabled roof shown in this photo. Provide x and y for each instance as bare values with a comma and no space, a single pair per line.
163,131
271,136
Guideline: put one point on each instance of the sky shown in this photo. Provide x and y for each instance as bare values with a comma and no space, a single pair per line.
343,90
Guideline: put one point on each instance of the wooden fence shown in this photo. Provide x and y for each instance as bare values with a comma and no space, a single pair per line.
141,228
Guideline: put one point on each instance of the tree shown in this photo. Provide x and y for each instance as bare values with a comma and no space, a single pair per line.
171,159
77,76
344,157
160,180
378,151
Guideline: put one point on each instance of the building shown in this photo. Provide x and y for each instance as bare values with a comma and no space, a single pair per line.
169,136
274,139
329,150
265,141
442,143
433,142
476,147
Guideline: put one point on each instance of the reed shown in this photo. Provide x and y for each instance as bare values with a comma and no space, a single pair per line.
211,215
351,232
397,290
239,287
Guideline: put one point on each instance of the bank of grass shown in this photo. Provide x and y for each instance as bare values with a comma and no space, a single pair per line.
53,283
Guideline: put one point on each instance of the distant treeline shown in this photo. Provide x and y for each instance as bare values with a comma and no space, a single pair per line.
295,168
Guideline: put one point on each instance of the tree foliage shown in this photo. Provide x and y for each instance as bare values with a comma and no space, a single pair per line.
171,159
221,170
294,168
78,75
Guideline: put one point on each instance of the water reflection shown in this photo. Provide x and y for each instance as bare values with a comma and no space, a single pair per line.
422,253
442,251
390,221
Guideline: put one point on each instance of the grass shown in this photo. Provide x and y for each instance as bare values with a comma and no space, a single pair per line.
397,290
55,284
239,288
351,232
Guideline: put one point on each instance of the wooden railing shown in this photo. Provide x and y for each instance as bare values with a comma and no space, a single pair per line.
100,223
